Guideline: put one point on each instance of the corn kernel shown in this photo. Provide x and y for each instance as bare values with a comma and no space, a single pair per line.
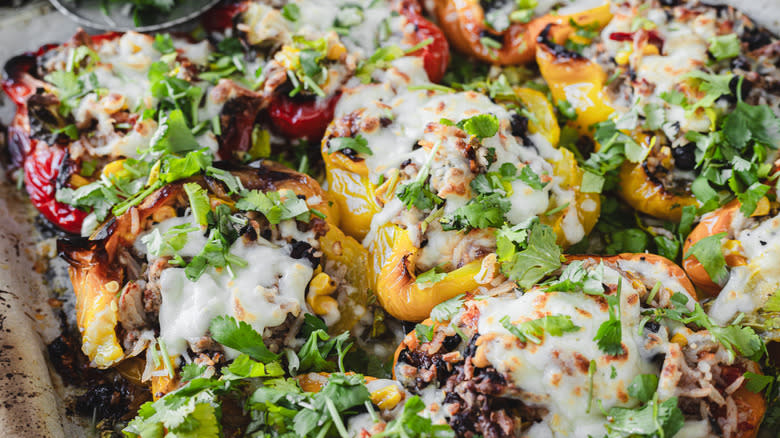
650,49
387,397
733,252
163,213
322,284
320,289
115,167
679,339
322,305
77,180
336,50
288,57
154,173
762,208
623,56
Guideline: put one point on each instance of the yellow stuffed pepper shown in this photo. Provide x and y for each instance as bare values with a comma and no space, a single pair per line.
497,35
414,171
582,83
676,92
257,245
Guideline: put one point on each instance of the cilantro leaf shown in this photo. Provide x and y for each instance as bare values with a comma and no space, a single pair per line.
609,336
418,194
240,336
173,135
713,85
724,46
424,332
413,425
750,197
358,144
480,125
483,211
271,205
163,43
534,330
709,253
751,122
445,310
431,277
199,202
541,257
757,382
654,419
291,12
314,353
643,387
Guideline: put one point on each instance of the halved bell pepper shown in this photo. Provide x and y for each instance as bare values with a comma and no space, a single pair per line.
393,266
719,221
463,21
581,82
97,276
577,80
338,247
351,190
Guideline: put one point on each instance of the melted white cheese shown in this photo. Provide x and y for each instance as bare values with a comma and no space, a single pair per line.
554,374
749,286
414,137
260,295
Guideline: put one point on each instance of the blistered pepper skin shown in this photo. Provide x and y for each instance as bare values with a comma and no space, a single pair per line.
578,81
393,255
97,277
649,196
42,169
718,221
463,21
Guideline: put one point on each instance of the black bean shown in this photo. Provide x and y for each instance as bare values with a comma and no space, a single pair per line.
451,342
519,125
685,156
756,37
653,326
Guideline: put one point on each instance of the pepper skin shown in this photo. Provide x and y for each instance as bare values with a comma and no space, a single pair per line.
463,21
718,221
97,277
577,80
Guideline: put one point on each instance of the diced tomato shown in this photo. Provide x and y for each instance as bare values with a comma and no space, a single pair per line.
297,119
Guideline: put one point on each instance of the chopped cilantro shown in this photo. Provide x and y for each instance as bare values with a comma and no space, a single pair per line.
291,12
358,144
480,126
709,252
445,310
240,336
537,257
534,330
424,332
271,205
724,46
430,277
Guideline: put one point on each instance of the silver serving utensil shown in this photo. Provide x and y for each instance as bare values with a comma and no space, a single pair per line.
107,16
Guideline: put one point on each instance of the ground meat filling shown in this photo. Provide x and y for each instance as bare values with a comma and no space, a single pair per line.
141,297
475,401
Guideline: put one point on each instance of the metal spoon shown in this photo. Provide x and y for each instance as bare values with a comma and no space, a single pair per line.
95,15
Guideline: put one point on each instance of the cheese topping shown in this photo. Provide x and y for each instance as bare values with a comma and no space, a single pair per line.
554,374
749,286
262,296
403,128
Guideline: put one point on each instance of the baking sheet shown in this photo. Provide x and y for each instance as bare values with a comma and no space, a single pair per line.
32,396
